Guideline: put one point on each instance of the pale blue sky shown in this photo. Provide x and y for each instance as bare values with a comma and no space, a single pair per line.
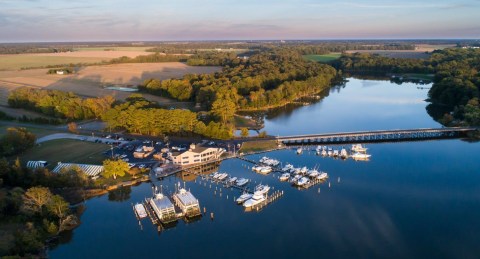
87,20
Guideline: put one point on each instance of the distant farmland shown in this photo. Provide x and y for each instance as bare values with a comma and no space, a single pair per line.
326,58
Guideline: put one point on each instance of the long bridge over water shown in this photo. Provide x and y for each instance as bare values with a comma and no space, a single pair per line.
377,136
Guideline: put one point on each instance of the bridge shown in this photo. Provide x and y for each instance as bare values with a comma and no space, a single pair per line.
377,136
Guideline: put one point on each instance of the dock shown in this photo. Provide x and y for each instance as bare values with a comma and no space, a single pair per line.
269,199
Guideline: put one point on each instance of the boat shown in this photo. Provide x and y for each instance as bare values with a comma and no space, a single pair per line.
265,170
216,175
243,198
299,150
358,148
330,153
285,177
318,150
222,176
257,198
361,156
302,181
287,168
313,173
140,211
335,153
232,180
304,170
263,189
322,176
343,153
256,168
295,179
324,152
242,181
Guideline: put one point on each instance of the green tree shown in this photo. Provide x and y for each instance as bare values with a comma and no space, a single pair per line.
224,109
35,199
244,132
114,168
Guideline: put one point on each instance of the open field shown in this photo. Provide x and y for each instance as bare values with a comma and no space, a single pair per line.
254,146
19,61
90,81
66,150
323,58
114,49
39,132
395,53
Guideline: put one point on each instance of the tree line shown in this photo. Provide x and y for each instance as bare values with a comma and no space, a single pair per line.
59,104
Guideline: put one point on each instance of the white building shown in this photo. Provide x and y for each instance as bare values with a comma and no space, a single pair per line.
196,154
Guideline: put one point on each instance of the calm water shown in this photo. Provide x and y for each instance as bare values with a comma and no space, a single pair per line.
418,199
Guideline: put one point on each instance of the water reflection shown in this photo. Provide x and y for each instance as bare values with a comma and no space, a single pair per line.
120,194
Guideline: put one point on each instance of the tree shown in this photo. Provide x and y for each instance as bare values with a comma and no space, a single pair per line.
35,199
72,127
58,206
15,141
114,168
244,132
262,134
224,109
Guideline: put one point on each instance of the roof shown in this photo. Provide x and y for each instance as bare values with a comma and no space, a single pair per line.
90,170
186,197
162,203
36,164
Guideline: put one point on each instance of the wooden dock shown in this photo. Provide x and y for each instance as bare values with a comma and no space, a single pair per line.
269,199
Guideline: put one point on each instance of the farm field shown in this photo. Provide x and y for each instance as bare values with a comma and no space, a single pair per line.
90,81
19,61
323,58
395,53
67,151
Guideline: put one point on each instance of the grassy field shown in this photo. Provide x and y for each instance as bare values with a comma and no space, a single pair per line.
67,150
253,146
326,58
113,48
16,62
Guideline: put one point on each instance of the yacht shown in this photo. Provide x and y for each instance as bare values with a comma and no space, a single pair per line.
232,180
265,169
302,181
257,198
295,179
358,148
299,150
222,176
304,170
215,175
257,168
285,177
263,189
335,153
243,198
313,173
318,150
330,153
322,176
343,153
287,168
140,210
361,156
324,152
242,181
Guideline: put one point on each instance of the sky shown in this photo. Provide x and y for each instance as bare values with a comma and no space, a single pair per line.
160,20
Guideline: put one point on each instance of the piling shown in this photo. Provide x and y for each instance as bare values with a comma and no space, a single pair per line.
211,215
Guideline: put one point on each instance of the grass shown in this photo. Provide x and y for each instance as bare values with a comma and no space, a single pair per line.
242,122
16,62
326,58
255,146
37,131
68,151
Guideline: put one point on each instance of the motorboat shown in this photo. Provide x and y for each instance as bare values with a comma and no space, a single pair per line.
222,176
361,156
322,176
313,173
263,189
140,210
343,153
303,181
299,150
324,152
257,168
244,197
257,198
330,153
285,177
287,168
304,170
265,170
215,175
295,178
242,181
232,180
335,153
358,148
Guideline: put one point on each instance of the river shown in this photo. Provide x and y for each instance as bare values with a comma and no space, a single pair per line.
412,199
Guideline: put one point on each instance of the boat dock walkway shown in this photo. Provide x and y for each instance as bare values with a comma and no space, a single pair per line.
270,198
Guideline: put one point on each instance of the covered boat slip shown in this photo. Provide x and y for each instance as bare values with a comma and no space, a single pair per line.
187,203
163,208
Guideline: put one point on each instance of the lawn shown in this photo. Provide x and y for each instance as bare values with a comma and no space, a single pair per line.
16,62
326,58
67,151
243,122
254,146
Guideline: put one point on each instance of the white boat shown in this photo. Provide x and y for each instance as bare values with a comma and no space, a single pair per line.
361,156
232,180
243,198
287,168
299,150
140,210
257,198
242,181
295,179
303,181
313,173
335,153
215,175
285,177
222,176
318,150
324,152
304,170
322,176
265,170
330,153
263,189
257,168
343,153
358,148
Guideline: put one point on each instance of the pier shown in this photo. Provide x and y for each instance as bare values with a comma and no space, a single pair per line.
377,136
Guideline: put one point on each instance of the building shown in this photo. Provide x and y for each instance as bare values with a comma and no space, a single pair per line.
163,208
187,203
36,164
90,170
60,72
196,154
